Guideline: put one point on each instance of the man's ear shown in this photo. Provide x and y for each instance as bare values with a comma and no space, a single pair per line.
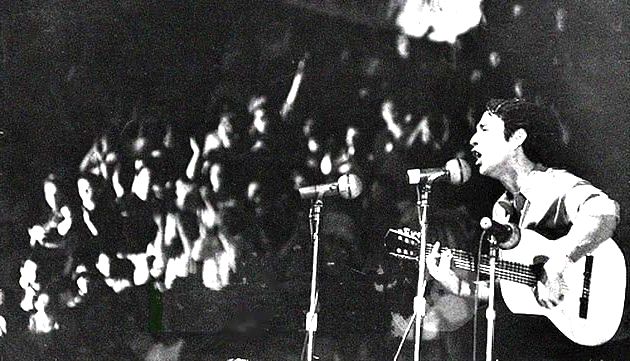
519,136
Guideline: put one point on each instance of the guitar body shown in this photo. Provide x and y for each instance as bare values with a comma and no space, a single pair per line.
606,293
594,287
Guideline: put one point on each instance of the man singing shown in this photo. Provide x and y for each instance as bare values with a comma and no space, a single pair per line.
509,145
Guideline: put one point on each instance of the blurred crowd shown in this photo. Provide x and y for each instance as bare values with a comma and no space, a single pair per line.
157,201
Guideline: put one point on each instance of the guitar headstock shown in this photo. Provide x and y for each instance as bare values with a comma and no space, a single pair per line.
402,243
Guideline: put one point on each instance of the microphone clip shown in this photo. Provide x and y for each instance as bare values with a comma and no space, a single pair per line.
503,236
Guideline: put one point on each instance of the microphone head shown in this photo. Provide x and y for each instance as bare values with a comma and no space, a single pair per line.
458,171
485,223
350,186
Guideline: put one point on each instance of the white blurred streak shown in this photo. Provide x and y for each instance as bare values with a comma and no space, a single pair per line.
297,80
89,224
194,159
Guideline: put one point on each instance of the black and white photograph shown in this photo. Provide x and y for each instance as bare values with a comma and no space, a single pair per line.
314,180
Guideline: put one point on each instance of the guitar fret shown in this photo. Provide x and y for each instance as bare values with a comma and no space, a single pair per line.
509,271
510,275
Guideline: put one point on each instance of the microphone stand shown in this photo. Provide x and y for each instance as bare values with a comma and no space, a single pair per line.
490,311
311,316
419,302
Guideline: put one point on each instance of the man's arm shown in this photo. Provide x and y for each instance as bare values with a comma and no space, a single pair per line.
594,217
586,234
593,221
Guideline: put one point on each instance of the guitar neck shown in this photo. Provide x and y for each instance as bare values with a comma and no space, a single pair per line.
510,271
406,246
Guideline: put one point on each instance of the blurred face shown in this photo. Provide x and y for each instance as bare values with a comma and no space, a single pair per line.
118,188
489,146
260,120
253,192
351,139
225,131
28,274
307,129
103,265
351,135
107,167
215,177
185,195
86,192
142,184
402,45
298,180
42,302
50,191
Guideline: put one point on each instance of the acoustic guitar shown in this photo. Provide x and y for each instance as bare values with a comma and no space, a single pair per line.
594,289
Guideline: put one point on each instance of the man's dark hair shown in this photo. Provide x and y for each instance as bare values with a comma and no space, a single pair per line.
544,135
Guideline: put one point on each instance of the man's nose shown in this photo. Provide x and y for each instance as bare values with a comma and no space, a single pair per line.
473,140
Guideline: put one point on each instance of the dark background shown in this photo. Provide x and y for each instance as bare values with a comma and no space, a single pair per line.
71,69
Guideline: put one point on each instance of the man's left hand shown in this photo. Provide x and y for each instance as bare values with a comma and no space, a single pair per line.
550,289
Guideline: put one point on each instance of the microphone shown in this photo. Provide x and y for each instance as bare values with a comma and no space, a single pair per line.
456,171
507,235
348,186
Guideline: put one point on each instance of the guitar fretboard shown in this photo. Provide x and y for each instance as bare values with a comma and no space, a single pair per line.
510,271
506,270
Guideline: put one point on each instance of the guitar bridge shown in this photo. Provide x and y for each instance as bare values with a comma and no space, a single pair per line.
586,287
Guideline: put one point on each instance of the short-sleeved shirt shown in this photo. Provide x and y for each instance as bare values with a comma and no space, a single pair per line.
551,201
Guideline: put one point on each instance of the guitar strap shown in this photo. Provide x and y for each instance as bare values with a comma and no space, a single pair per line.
514,207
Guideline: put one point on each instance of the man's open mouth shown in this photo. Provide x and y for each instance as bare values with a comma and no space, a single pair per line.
477,156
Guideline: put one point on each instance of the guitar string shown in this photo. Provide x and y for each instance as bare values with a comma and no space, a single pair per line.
505,274
510,270
507,270
514,266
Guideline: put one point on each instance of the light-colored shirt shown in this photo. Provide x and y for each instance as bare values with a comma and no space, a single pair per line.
553,199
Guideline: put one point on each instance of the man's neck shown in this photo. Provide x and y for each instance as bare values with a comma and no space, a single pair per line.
516,173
